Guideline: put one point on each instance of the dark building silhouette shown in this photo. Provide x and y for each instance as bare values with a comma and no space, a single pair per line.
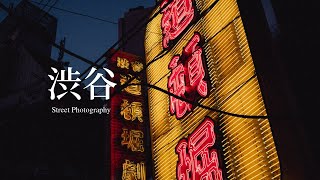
27,32
133,22
35,143
281,36
25,41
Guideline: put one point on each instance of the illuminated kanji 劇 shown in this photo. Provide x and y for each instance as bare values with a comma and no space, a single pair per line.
187,77
133,171
177,15
197,159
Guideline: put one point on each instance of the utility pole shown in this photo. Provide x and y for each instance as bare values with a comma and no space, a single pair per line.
61,52
10,12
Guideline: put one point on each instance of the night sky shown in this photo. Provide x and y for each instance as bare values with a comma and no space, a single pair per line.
87,37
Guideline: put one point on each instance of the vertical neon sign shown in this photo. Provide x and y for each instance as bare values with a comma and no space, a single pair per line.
127,120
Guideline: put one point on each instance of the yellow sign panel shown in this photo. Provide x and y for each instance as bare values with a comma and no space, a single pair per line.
248,147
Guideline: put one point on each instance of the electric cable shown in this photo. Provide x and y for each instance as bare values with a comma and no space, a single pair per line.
197,104
155,87
130,36
78,13
111,51
89,16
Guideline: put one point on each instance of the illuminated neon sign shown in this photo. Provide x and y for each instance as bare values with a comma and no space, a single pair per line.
137,66
177,15
131,111
133,87
133,139
187,77
197,159
128,156
123,63
133,170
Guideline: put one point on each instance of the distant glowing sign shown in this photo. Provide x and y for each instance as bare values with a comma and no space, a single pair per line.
197,159
124,63
128,156
177,15
133,139
187,77
132,171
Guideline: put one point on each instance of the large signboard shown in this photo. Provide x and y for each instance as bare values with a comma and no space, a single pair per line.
127,119
199,60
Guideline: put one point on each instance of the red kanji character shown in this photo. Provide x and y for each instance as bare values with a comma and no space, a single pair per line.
184,165
176,17
176,86
187,77
205,161
195,68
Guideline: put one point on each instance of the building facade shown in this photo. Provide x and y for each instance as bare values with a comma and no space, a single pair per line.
282,43
25,52
35,142
132,30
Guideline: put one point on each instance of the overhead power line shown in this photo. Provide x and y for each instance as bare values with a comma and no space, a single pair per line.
77,13
162,53
4,7
110,53
47,12
73,54
52,42
135,29
107,53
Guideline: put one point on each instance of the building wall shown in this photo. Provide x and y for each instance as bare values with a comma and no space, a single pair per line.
35,143
284,63
129,24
